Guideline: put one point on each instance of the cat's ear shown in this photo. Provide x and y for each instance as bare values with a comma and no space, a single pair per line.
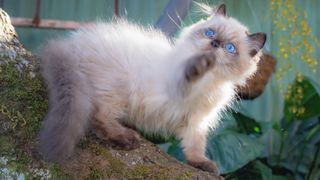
220,10
256,42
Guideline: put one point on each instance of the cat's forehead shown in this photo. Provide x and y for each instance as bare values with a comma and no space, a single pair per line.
227,26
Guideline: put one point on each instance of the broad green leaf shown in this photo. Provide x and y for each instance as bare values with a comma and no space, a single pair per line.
272,141
231,150
247,125
164,146
176,151
315,85
313,132
227,122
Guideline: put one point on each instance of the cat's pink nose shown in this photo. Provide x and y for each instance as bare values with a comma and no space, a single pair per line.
215,43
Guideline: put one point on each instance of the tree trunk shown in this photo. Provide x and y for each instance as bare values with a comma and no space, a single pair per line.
23,104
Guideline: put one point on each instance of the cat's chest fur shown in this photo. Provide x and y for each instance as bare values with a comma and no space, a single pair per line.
160,112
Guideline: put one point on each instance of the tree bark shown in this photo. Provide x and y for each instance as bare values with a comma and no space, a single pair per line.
23,104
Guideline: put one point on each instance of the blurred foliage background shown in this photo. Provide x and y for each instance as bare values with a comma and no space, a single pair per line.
275,136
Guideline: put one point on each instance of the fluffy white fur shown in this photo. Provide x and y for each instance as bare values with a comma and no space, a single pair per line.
138,76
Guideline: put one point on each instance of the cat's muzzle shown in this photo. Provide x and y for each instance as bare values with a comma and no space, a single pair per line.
215,43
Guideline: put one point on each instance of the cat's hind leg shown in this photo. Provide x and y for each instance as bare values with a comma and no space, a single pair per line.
106,125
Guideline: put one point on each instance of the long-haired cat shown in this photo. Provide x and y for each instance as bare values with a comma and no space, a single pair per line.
115,74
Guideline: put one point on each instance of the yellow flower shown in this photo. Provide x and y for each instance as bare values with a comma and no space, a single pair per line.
284,13
293,109
299,77
301,110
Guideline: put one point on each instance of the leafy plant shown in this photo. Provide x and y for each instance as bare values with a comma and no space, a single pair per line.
299,131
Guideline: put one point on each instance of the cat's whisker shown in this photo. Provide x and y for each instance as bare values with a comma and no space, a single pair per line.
181,21
178,26
204,7
190,19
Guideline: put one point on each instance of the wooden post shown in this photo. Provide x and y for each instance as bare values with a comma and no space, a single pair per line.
116,8
47,24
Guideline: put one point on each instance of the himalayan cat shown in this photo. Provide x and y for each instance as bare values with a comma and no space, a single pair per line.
113,74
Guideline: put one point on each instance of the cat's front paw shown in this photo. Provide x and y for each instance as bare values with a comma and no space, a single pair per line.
199,65
205,166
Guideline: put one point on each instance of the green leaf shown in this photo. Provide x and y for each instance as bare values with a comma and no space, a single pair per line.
313,132
247,125
302,100
315,85
176,151
231,150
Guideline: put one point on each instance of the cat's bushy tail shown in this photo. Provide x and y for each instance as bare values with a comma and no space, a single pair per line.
70,104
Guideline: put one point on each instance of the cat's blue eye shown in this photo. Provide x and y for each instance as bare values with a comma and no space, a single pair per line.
209,33
230,48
